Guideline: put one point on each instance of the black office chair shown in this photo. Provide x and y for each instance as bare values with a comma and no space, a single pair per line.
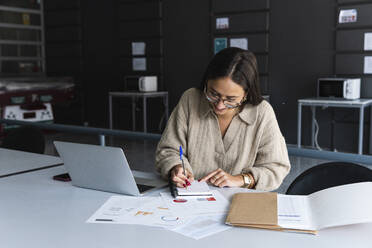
27,139
328,175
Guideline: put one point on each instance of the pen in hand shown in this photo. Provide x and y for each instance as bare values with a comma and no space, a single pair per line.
183,166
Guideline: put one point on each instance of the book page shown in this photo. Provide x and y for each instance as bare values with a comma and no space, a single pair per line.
294,212
342,205
196,188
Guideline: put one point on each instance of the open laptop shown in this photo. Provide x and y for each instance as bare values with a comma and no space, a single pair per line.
104,168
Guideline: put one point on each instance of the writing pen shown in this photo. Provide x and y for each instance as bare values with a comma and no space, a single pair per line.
172,186
183,164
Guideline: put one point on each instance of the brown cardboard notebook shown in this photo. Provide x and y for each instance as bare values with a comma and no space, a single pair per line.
305,214
257,210
254,209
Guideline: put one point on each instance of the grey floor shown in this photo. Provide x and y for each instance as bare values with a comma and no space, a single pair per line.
140,154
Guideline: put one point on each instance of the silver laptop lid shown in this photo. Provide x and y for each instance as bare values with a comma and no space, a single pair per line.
97,167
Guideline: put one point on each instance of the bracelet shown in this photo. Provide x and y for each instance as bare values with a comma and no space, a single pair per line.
248,177
252,184
248,180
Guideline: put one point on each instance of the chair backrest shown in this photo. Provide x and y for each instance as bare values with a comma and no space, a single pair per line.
328,175
27,139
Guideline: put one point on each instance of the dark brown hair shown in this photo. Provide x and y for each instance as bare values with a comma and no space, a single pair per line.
241,66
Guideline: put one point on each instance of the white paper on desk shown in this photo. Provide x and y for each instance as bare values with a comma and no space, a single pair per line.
116,207
228,193
203,226
342,205
294,212
149,211
193,206
367,64
153,213
196,188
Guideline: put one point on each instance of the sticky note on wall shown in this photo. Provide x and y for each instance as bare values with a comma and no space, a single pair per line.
139,64
222,23
347,16
219,44
367,65
239,42
138,48
368,41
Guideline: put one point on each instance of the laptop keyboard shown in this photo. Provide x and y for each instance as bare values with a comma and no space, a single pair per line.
143,188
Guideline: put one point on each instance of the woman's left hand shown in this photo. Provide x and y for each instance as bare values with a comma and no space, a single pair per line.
221,179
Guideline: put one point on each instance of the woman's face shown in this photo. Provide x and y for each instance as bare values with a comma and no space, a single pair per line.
224,91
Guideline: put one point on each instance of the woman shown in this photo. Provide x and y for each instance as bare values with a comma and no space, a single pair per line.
229,134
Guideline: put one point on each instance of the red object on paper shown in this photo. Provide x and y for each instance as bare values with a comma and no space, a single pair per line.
211,199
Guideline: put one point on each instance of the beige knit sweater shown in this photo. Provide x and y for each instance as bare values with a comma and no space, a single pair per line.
252,143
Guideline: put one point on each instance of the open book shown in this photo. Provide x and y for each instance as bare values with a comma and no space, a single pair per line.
336,206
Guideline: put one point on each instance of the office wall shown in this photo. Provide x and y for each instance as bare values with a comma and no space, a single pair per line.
349,62
63,37
249,20
140,22
299,46
186,45
101,57
64,53
82,41
301,50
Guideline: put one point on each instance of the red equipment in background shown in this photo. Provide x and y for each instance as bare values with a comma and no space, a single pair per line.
31,99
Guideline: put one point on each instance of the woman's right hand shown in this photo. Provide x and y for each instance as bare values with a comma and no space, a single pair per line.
179,179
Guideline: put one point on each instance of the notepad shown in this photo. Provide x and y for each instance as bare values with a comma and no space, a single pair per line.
195,189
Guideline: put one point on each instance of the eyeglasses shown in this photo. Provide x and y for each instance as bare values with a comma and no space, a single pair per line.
215,98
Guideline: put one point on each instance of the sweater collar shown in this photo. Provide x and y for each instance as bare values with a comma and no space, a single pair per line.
248,114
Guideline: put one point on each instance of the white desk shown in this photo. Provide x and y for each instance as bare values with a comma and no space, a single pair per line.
329,102
37,212
12,161
134,96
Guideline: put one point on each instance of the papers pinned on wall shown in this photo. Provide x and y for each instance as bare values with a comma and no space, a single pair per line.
347,16
222,23
139,64
367,65
239,42
138,48
367,41
219,44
